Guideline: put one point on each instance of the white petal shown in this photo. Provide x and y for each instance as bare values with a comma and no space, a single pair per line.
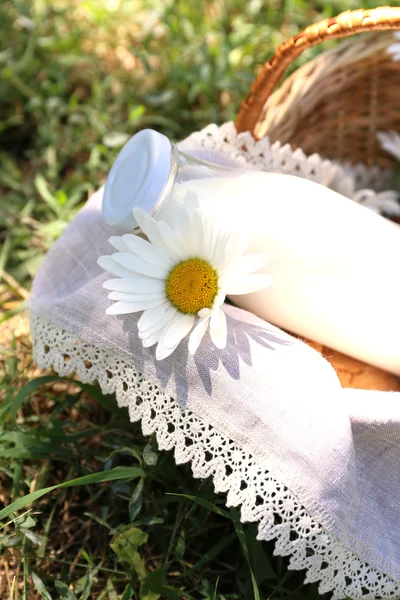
219,299
170,241
202,224
152,316
159,234
117,242
159,325
135,264
197,335
248,263
165,346
182,219
163,352
218,331
219,246
151,340
184,230
204,312
186,221
246,285
191,200
108,264
135,284
196,234
145,250
229,249
209,237
177,330
124,308
136,297
153,333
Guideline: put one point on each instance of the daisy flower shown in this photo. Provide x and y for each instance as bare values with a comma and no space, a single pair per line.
390,141
179,277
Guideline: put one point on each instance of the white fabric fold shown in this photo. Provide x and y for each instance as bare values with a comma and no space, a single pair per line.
337,451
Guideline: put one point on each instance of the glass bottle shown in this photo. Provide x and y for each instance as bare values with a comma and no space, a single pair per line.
332,260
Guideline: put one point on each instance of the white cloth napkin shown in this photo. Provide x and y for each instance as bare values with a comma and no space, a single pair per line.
316,465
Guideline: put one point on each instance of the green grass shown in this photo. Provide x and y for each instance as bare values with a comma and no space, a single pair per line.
77,78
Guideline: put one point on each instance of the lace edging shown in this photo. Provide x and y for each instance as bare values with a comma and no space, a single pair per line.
344,178
235,472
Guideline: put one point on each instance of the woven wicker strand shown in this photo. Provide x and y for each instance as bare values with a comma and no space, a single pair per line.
344,25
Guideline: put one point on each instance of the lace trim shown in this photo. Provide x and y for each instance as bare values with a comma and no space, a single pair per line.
234,471
261,154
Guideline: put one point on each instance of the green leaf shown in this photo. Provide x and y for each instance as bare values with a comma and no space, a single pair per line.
111,593
212,553
242,539
204,503
107,401
135,503
64,591
149,520
111,475
83,585
149,456
27,389
98,520
156,580
128,540
46,195
9,540
4,253
41,588
127,449
88,582
259,559
127,593
180,545
25,521
87,557
33,537
147,593
115,139
125,545
154,587
136,112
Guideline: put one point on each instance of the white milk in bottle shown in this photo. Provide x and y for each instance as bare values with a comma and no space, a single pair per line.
332,261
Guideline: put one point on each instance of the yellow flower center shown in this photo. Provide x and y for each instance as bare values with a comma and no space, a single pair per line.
192,285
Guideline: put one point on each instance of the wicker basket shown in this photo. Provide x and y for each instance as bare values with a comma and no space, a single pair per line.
333,105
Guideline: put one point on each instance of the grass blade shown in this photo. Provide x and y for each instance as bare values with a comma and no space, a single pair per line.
242,539
212,553
204,503
41,588
112,475
27,389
